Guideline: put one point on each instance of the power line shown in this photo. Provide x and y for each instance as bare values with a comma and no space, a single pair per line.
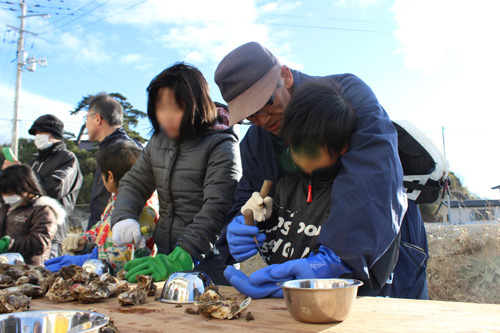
70,14
77,18
106,17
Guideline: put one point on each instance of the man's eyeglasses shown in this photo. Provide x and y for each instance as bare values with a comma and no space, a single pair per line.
260,112
87,116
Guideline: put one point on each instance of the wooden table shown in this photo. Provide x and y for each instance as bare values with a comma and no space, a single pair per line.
368,314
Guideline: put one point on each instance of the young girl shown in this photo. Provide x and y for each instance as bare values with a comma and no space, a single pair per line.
28,218
193,161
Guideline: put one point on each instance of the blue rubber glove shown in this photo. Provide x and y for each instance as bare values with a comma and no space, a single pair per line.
262,283
55,264
240,239
239,280
324,264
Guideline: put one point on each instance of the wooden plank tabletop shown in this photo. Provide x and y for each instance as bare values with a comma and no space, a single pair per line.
368,314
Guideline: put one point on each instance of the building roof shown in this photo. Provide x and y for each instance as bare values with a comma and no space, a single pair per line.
496,187
87,145
473,203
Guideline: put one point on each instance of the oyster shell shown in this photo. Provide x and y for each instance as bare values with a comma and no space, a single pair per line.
117,288
212,304
27,289
5,281
145,287
134,297
60,291
121,274
108,278
110,327
93,292
16,275
47,284
13,302
23,280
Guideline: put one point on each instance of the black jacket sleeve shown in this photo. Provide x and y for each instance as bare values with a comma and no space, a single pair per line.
136,187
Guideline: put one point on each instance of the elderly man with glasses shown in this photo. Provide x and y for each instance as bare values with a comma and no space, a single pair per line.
368,202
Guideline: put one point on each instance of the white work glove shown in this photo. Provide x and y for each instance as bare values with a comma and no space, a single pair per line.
71,243
255,202
127,232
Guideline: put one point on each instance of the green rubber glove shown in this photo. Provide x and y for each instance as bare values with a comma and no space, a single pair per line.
4,244
159,267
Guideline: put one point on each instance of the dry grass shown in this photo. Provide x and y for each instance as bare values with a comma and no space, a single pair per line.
464,263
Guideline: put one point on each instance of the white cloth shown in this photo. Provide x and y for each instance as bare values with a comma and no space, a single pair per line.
262,207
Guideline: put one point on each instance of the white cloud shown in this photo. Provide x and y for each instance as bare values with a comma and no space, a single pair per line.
436,33
355,3
131,58
87,48
31,107
279,7
454,43
209,29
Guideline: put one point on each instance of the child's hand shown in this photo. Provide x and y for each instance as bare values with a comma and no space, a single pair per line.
73,243
262,207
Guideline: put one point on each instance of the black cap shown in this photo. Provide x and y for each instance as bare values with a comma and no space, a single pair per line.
50,124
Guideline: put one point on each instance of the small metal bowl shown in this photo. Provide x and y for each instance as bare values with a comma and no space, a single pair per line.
98,266
53,321
12,258
320,300
184,287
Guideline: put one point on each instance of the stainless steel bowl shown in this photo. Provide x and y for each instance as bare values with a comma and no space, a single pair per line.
320,300
53,321
12,258
98,266
184,287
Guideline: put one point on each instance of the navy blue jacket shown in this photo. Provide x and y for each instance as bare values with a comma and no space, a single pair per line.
368,198
100,196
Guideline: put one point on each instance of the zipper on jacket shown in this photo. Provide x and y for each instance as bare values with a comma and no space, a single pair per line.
171,171
309,192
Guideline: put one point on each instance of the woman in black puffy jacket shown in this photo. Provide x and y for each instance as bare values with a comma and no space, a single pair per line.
193,162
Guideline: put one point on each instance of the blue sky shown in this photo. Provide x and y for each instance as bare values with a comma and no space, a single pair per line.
432,62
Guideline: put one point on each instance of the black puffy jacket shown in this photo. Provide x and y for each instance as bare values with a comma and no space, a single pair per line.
195,179
59,174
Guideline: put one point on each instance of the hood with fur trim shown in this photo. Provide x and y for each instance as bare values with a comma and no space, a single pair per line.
54,205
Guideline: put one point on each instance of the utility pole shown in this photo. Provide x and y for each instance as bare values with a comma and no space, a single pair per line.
444,146
21,63
448,183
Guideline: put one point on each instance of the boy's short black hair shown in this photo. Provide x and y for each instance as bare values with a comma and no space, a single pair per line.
192,93
118,158
20,179
318,115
